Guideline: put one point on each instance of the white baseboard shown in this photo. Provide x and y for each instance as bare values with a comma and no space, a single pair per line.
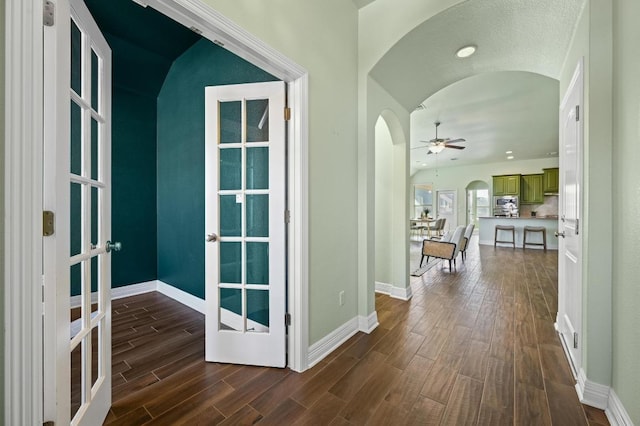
616,414
319,350
119,292
183,297
395,292
369,323
592,393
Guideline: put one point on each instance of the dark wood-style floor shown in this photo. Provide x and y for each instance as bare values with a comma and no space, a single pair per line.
472,347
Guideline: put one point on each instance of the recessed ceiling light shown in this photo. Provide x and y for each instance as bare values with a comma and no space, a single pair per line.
510,157
424,164
466,51
509,152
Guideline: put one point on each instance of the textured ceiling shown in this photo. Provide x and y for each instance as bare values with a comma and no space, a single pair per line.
494,112
511,35
504,97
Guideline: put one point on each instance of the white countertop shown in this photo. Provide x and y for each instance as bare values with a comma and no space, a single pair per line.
487,225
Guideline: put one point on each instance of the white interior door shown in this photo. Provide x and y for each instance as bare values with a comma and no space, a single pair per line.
76,261
569,318
245,224
447,208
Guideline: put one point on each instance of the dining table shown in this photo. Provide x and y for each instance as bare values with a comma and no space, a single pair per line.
423,223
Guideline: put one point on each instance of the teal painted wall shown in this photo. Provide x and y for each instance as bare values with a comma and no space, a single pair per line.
180,156
134,188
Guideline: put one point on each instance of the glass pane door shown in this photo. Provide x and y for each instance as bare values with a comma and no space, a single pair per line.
245,224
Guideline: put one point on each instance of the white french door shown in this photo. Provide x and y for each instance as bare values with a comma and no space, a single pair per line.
245,206
77,190
569,320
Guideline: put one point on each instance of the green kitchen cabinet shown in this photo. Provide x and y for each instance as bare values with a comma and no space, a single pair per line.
531,189
550,180
506,185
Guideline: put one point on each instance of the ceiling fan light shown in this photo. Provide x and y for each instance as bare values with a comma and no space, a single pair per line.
436,149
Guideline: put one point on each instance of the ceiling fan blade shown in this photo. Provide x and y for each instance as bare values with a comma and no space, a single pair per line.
420,147
455,146
456,140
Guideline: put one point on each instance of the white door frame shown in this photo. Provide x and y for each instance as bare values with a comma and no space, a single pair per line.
22,182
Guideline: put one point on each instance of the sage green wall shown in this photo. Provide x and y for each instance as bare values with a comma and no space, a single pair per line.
592,41
2,103
383,196
180,158
457,178
626,204
321,36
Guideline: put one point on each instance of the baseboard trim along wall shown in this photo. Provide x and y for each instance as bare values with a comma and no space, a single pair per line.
591,393
616,414
369,323
332,341
120,292
392,291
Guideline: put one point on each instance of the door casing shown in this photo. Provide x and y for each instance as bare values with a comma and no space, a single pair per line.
23,188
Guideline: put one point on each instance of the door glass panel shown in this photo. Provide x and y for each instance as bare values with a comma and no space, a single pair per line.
230,216
257,264
76,379
231,169
76,139
231,309
94,81
258,215
95,274
76,59
231,262
95,215
258,311
258,168
258,120
74,290
95,355
76,219
94,149
231,122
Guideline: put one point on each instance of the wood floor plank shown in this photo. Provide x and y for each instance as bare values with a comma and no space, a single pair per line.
425,412
354,379
464,403
322,412
366,401
472,346
250,390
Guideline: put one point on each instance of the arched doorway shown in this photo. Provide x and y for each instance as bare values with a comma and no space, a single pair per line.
478,204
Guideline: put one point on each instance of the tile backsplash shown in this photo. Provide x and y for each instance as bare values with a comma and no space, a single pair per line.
548,208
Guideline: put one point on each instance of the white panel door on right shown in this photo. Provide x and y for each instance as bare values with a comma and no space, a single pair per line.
245,224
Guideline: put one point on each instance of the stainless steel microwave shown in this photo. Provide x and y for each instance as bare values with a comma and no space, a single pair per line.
505,202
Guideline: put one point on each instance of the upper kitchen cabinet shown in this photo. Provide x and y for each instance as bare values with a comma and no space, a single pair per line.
550,180
531,189
506,185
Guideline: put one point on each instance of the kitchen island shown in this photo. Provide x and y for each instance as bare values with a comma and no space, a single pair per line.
487,229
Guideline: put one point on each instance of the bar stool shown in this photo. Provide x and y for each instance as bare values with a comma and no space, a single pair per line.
505,228
534,229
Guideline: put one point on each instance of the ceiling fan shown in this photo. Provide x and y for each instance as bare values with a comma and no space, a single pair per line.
437,145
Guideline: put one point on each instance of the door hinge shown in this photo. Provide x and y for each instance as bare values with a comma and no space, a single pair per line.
47,223
575,340
577,112
287,216
287,319
577,226
48,13
287,114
